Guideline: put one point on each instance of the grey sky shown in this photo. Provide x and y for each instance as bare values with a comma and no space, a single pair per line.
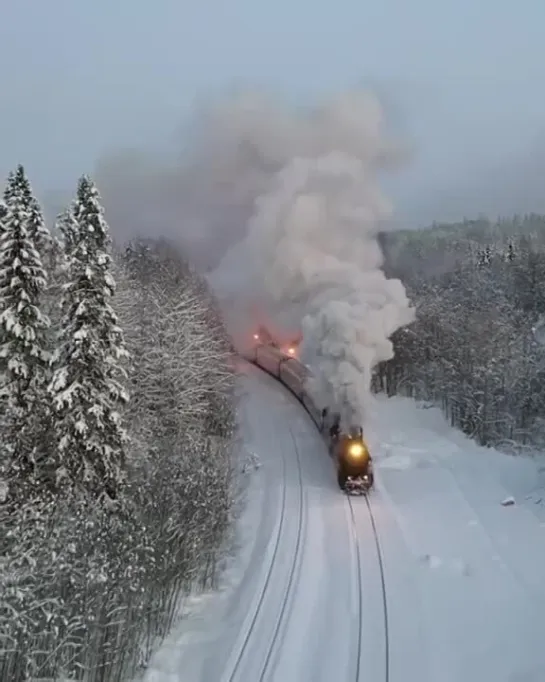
463,79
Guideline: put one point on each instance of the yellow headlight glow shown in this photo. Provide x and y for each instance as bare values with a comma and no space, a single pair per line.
356,449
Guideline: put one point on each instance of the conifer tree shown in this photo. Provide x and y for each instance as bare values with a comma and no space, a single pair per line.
9,188
37,230
23,328
59,252
86,387
67,225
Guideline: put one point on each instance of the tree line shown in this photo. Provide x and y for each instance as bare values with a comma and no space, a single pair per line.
117,414
479,290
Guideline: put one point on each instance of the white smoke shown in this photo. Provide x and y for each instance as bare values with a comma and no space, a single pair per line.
311,253
287,202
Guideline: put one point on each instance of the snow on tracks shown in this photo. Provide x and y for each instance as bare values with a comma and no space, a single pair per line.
372,656
339,622
253,658
304,601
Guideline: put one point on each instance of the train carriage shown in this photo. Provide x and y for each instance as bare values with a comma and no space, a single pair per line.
347,447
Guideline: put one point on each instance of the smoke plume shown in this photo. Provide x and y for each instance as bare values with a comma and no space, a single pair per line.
310,256
282,207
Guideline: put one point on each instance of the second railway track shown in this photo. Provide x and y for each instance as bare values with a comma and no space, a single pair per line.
273,587
361,674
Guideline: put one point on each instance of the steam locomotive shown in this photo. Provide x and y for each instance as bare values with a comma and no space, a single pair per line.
346,446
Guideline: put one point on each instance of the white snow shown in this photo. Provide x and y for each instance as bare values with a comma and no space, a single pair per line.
463,575
479,611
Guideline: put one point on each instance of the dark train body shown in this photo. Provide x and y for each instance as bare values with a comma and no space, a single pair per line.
348,449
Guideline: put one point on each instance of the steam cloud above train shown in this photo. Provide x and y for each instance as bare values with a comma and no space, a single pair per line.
310,260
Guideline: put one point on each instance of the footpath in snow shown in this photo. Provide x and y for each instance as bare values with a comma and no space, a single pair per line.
434,581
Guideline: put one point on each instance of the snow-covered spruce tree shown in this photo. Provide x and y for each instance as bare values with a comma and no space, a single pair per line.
67,225
9,188
58,262
23,328
38,232
86,387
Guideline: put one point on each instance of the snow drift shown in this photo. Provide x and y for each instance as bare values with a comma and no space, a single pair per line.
311,255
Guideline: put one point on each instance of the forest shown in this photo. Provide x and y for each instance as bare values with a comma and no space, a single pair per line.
475,348
118,474
117,411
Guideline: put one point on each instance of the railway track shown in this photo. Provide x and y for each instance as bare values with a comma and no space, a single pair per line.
236,667
360,673
278,590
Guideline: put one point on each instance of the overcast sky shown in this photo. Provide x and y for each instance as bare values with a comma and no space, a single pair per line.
463,80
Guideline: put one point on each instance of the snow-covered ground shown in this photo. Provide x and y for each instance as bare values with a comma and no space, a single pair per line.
433,580
466,571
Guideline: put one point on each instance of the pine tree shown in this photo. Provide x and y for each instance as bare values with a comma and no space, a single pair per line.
38,231
67,225
62,247
9,188
23,329
86,387
58,262
511,255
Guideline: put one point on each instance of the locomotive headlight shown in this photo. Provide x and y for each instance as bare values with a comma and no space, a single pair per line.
356,450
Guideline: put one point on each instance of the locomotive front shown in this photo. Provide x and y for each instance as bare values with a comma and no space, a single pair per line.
354,465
